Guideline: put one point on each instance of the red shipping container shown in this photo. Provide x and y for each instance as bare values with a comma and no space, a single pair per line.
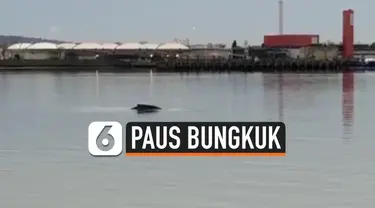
290,40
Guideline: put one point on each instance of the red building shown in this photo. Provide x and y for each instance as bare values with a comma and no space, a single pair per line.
290,40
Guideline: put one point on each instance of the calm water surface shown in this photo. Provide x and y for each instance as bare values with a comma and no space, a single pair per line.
330,162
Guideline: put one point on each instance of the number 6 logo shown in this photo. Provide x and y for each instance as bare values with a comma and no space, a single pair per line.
105,138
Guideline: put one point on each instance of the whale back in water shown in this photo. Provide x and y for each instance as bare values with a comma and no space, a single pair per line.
144,108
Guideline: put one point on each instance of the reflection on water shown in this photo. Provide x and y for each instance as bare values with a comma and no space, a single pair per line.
300,82
44,160
347,103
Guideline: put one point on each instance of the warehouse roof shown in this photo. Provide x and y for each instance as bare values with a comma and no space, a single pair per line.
93,46
66,45
130,46
150,46
88,46
172,46
43,45
19,46
109,46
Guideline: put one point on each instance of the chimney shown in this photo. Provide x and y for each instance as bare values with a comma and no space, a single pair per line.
281,17
348,33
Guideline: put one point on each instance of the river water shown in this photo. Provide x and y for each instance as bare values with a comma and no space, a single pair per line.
44,161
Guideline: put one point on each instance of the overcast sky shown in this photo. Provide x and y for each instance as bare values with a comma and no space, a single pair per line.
201,21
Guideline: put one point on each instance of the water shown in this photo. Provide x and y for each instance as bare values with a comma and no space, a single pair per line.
44,161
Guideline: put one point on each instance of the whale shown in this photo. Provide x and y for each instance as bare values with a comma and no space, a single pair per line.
145,108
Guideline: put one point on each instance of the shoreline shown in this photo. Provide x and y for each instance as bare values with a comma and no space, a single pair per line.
184,66
57,70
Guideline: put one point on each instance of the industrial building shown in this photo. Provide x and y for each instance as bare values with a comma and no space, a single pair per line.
86,50
295,46
308,45
290,40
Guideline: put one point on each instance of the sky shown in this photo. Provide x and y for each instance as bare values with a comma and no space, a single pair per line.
201,21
